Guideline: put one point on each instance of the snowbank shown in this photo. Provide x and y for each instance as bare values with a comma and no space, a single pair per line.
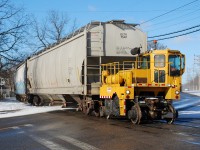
10,107
197,93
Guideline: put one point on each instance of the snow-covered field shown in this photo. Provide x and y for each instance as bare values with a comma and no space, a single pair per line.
10,107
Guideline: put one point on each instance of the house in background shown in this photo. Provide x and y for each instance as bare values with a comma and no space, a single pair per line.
6,87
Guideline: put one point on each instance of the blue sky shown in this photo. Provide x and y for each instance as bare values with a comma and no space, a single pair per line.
132,11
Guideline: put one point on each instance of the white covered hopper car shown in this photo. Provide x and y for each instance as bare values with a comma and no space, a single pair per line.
71,69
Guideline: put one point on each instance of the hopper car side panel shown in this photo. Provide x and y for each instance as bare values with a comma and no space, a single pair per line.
20,82
58,71
120,39
20,78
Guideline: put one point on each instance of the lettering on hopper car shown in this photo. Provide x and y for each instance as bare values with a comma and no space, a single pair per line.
123,35
123,50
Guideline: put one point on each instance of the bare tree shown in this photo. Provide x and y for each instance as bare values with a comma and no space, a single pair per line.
74,26
53,28
13,27
56,28
13,23
158,45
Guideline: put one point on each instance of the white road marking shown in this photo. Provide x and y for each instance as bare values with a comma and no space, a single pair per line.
190,142
16,127
82,145
21,132
28,125
183,134
49,144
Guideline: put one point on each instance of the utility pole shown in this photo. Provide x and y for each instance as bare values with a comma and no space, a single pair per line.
188,79
197,63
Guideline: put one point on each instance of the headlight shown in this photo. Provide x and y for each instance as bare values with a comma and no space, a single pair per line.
177,92
128,92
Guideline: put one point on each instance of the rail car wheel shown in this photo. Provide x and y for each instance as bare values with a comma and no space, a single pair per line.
175,114
96,109
30,99
135,114
18,98
102,111
51,103
89,111
86,108
83,107
36,101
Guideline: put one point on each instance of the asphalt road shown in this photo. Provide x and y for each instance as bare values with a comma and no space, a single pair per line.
74,131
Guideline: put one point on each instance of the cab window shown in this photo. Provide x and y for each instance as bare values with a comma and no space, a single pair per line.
159,61
183,62
175,65
145,62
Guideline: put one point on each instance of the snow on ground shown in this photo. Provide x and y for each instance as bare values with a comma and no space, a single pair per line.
197,93
10,107
191,112
186,103
189,106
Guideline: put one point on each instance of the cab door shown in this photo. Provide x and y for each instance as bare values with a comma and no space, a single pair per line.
159,66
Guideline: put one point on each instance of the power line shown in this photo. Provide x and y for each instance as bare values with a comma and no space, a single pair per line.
175,32
175,24
176,35
169,12
106,11
173,18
